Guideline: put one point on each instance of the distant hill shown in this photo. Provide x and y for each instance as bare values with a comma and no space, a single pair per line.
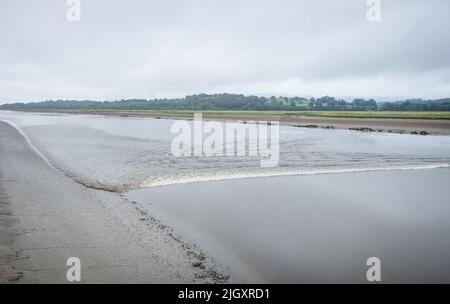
238,102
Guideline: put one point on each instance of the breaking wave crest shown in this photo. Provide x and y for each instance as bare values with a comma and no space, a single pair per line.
173,180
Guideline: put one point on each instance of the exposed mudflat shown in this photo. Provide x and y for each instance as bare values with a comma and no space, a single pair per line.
384,125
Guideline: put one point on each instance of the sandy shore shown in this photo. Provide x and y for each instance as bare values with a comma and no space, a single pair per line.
403,126
389,125
46,217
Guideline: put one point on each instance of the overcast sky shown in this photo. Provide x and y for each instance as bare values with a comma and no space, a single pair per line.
146,49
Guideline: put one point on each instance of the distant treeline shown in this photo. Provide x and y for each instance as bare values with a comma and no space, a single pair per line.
238,102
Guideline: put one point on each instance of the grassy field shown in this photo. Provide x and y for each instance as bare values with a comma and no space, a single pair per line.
338,114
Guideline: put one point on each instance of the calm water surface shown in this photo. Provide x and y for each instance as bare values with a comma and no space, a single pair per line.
316,229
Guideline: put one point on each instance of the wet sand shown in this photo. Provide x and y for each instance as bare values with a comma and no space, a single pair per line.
402,126
46,217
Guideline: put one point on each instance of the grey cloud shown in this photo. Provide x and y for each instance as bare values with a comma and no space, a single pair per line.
127,49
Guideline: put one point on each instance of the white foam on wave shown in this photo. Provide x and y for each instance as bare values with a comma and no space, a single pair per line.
174,180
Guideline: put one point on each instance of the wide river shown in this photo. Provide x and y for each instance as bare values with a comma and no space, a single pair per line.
387,196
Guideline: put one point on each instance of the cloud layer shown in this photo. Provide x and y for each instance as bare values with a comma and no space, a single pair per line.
147,49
